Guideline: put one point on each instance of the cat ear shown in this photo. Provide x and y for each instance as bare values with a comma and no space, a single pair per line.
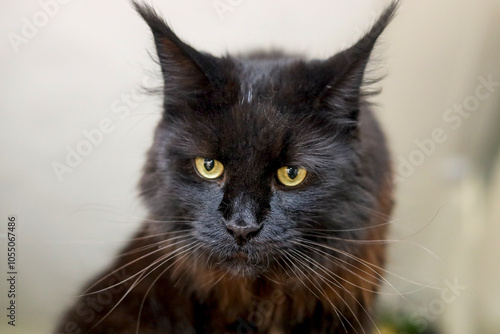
187,73
341,76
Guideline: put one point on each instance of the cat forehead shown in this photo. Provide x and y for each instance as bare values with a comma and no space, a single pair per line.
260,76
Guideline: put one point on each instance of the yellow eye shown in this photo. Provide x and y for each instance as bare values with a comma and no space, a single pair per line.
209,168
291,176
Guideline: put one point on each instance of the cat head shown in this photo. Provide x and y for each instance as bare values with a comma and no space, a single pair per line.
253,151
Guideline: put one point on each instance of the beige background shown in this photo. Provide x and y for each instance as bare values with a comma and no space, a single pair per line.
80,65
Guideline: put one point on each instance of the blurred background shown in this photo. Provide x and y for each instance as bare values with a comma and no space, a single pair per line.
71,69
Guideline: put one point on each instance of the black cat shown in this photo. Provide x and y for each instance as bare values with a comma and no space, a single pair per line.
269,196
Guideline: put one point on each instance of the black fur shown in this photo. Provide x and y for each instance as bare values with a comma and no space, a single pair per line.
256,114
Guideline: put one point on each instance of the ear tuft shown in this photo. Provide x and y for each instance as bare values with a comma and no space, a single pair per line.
187,73
346,70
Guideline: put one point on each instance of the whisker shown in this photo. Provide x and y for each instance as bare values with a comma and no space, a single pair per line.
140,278
136,282
217,281
336,260
157,235
155,280
346,229
155,244
378,241
190,266
366,263
337,284
124,266
339,315
340,276
306,265
380,279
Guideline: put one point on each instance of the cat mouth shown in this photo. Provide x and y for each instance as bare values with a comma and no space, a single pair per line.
242,264
240,255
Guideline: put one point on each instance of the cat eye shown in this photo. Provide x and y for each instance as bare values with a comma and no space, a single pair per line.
291,176
209,168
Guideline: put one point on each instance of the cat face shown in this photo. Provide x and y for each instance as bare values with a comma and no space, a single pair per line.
254,151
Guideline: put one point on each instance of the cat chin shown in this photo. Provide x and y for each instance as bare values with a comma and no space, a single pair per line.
241,266
240,269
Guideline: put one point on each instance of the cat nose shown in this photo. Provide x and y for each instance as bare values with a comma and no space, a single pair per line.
243,233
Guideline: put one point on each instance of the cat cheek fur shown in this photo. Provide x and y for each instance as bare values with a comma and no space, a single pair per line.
210,250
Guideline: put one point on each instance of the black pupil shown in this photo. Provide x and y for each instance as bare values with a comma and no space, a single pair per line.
292,172
209,164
